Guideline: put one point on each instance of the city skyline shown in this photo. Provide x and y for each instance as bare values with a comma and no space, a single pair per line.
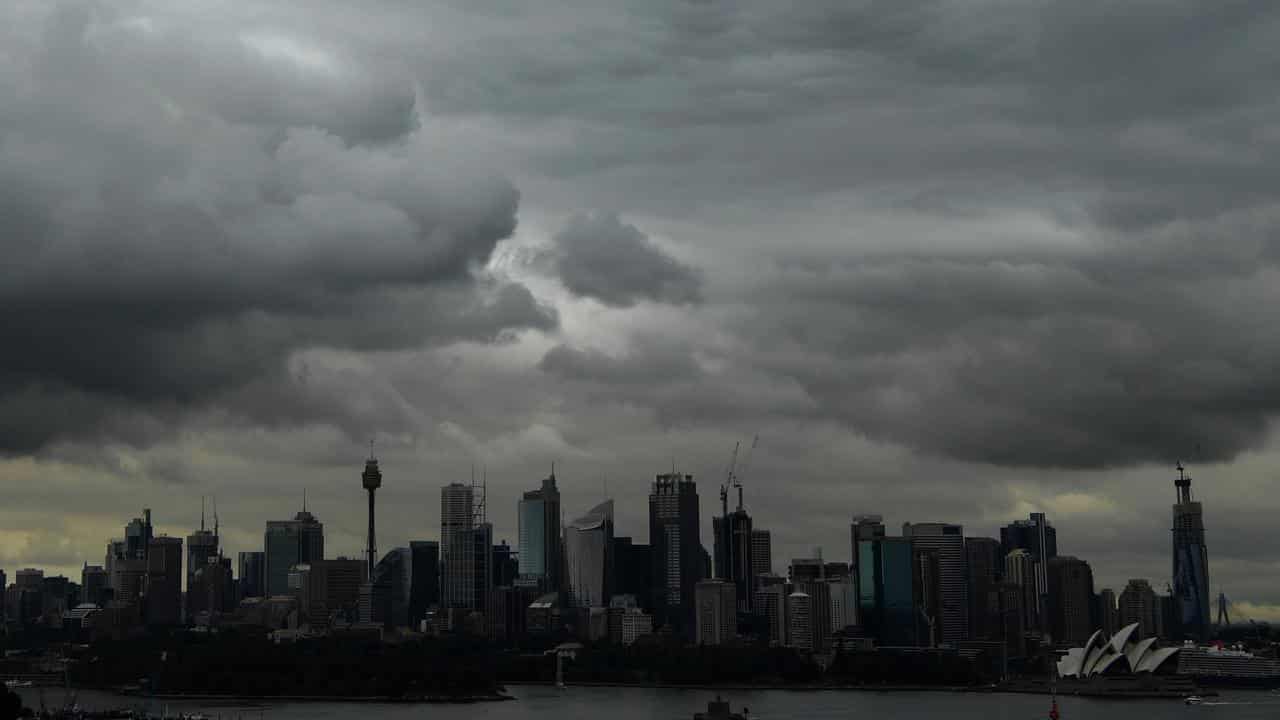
948,269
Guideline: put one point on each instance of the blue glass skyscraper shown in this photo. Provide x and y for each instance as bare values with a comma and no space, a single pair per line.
1190,561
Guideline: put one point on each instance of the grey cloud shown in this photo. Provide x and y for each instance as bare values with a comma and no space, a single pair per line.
168,244
598,256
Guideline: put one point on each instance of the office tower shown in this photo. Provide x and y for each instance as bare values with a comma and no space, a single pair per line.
886,589
800,623
1108,613
864,527
392,589
1020,570
982,556
163,594
128,580
771,604
627,621
588,564
926,568
95,585
138,535
424,590
731,534
506,565
948,541
1190,561
717,612
457,546
287,543
201,546
4,586
1038,537
633,571
819,594
678,560
328,591
1139,604
761,553
807,569
252,580
1070,581
1013,613
539,542
211,590
844,603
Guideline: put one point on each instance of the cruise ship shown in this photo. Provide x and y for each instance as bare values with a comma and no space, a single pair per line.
1219,666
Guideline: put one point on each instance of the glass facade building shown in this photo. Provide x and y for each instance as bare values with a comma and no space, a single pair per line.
539,544
588,544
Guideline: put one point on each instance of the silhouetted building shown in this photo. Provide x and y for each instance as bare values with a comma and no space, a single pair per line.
733,548
1139,604
633,571
678,555
212,589
886,589
985,562
391,590
506,566
1108,612
137,536
163,604
1190,562
95,585
927,588
201,545
770,604
1039,538
539,543
953,583
328,591
717,614
424,591
1070,601
457,547
800,621
761,552
844,603
588,542
251,571
287,543
1020,569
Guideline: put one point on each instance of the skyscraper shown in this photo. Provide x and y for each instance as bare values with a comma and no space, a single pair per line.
424,580
371,479
633,571
800,621
164,581
1020,571
539,541
948,541
1139,604
1108,612
1039,538
201,545
678,562
588,545
252,566
983,557
717,614
287,543
457,547
761,552
95,584
1190,561
1070,582
887,588
734,552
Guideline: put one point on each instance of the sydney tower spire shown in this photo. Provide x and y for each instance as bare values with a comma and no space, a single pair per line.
372,478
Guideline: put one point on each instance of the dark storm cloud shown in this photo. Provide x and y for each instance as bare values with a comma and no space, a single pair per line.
172,234
596,255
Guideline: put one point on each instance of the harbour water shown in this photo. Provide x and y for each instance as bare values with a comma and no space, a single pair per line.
546,703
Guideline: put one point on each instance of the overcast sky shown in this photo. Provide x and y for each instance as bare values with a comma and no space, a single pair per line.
951,261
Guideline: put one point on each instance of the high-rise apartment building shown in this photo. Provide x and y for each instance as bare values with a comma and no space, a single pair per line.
1070,600
539,542
771,605
800,621
287,543
678,562
1020,570
1190,562
588,546
947,541
717,613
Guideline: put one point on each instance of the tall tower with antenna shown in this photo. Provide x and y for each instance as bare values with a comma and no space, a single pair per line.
372,480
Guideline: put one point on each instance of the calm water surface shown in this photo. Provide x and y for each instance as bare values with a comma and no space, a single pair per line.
545,703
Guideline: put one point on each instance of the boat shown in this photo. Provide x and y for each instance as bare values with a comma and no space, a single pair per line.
718,709
1193,700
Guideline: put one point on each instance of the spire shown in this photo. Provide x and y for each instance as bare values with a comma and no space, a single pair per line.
304,499
201,513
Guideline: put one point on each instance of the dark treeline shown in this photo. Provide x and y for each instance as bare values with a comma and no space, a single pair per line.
249,664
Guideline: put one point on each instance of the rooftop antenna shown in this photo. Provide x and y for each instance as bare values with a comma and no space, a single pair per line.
371,449
215,525
304,499
201,513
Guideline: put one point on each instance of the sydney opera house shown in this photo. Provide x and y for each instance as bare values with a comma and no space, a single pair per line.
1118,655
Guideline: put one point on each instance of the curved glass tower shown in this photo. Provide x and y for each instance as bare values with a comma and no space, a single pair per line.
587,544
